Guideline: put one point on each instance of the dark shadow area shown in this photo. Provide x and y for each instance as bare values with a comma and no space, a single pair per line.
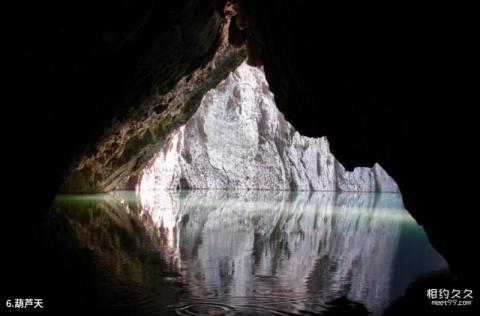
392,85
84,67
416,302
343,306
93,256
79,69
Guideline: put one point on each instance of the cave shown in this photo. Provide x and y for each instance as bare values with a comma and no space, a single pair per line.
239,158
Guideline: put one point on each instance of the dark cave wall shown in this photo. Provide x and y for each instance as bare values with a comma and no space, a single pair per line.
87,73
126,148
96,76
385,84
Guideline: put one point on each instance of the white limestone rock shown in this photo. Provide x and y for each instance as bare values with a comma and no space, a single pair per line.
238,139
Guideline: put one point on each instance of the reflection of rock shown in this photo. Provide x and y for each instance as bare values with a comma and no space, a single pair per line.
293,250
238,139
116,247
111,227
245,243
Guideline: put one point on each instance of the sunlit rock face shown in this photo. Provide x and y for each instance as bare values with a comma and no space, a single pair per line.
238,139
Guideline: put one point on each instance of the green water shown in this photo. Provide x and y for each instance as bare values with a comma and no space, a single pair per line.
244,252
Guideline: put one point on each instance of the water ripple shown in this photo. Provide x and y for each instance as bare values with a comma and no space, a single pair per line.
199,309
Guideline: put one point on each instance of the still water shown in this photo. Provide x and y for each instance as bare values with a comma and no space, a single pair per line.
245,252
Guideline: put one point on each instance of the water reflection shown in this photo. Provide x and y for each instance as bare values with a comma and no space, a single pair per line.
253,251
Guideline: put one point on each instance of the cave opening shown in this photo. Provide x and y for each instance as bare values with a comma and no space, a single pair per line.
236,201
236,157
238,139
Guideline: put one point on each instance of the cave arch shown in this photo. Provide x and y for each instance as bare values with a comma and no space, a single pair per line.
81,69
